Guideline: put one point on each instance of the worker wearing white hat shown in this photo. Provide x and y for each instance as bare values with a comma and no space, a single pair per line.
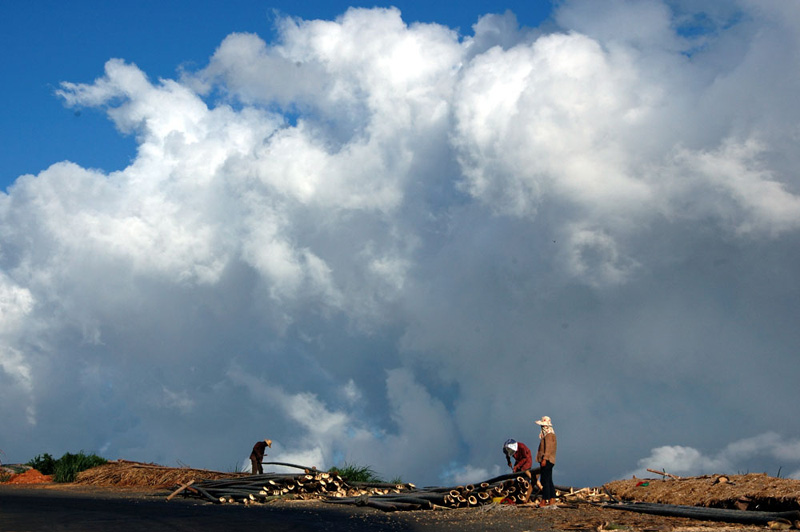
520,453
546,456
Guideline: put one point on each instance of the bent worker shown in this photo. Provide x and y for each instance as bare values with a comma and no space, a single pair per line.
258,454
546,456
522,464
521,454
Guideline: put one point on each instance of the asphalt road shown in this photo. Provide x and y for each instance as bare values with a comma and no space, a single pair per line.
59,508
33,510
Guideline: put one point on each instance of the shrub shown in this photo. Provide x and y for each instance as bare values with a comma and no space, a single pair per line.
43,463
356,473
68,466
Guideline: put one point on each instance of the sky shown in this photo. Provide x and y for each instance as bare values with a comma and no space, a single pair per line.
395,235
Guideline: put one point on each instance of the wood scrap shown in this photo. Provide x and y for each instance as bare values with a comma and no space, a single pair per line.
180,489
665,474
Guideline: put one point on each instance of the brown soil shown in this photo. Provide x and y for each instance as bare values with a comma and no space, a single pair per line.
743,492
31,476
124,473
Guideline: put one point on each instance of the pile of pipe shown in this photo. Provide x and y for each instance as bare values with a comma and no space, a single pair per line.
311,484
506,489
516,488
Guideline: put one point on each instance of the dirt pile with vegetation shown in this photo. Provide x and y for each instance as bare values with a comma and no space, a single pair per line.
9,470
31,476
743,492
124,473
66,468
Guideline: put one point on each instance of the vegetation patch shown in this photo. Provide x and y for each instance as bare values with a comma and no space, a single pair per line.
66,468
356,473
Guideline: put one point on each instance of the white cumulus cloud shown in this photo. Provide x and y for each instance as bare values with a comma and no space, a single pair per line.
385,243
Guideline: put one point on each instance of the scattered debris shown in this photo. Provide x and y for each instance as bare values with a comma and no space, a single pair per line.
779,524
180,489
664,474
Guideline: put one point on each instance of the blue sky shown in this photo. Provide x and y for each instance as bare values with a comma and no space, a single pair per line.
47,42
398,244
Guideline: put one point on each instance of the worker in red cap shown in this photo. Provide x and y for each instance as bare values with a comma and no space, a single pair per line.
258,454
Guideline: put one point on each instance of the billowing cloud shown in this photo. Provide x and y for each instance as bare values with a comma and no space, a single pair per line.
389,244
740,457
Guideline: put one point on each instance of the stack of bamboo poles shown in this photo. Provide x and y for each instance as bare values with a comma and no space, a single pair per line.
266,487
311,484
516,488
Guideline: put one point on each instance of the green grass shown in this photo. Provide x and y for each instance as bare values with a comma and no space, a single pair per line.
236,468
356,473
66,468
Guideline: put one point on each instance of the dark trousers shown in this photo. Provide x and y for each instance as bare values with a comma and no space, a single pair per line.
255,465
548,489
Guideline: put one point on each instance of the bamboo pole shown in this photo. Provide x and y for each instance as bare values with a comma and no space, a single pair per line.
665,474
179,490
532,471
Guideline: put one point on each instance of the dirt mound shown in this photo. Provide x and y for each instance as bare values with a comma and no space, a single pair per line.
31,476
742,492
124,473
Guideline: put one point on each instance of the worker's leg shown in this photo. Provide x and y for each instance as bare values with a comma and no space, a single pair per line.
536,486
548,489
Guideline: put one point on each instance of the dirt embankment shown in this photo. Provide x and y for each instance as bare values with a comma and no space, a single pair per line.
742,492
124,473
30,476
